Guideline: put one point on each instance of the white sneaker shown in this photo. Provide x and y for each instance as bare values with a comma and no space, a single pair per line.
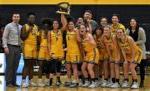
100,82
135,85
40,83
80,82
58,83
24,84
125,84
86,84
115,85
104,83
33,84
109,84
93,85
46,82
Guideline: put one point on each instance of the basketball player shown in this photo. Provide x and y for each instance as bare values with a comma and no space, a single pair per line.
43,55
99,68
91,57
110,57
131,54
29,36
72,54
56,51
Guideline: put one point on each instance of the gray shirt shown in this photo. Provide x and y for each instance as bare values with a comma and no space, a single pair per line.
11,34
141,40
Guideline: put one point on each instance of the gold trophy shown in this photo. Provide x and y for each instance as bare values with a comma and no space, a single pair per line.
64,8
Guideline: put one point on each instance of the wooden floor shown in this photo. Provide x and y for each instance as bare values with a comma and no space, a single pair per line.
61,88
73,89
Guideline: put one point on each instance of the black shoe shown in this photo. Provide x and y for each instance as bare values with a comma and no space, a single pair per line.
67,84
50,82
10,85
15,85
141,84
74,85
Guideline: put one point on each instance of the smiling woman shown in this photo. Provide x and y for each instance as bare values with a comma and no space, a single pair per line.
95,2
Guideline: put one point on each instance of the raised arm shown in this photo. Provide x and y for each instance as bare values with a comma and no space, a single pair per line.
64,22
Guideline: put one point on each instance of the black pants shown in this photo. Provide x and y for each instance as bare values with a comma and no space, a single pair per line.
12,62
142,69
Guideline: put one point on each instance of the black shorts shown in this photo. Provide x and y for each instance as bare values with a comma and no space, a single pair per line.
52,66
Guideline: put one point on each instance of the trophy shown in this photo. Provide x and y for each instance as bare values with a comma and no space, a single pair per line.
64,8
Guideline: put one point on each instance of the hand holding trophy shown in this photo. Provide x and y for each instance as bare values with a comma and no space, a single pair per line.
64,8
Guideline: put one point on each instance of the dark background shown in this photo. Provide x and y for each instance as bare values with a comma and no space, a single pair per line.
140,12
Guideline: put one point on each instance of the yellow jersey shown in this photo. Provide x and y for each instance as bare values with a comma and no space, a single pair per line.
32,37
72,43
56,44
44,40
118,26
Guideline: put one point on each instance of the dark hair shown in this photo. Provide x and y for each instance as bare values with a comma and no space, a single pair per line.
103,18
98,28
15,12
137,25
89,11
116,15
31,13
55,19
47,21
70,19
58,23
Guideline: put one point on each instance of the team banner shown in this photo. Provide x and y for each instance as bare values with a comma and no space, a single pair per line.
82,2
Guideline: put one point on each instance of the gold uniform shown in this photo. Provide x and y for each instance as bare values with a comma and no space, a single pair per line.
101,48
30,44
118,26
43,51
91,52
73,51
56,45
128,53
108,42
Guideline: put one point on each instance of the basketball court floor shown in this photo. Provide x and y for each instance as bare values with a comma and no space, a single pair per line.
62,88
